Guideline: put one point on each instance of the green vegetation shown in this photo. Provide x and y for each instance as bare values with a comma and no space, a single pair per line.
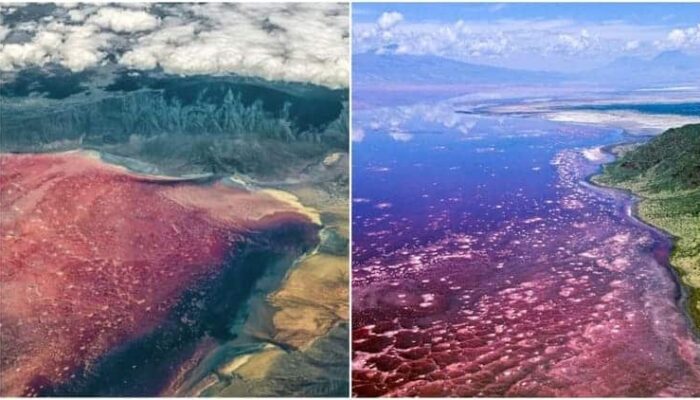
665,174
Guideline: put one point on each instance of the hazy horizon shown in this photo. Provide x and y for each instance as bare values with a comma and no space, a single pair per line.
545,37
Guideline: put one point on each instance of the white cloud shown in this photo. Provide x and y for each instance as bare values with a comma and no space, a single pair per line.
77,15
75,47
302,42
573,43
136,5
394,121
358,134
526,43
36,52
160,46
676,37
632,45
389,19
291,42
58,40
400,136
489,46
4,31
121,20
82,46
688,38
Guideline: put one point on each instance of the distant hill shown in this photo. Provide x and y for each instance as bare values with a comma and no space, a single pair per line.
672,67
371,68
670,161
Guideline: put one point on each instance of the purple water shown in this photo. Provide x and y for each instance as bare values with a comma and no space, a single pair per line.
485,265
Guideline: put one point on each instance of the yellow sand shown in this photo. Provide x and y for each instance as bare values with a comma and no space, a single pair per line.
293,201
313,299
253,366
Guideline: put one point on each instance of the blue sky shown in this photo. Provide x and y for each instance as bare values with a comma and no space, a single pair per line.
674,15
531,36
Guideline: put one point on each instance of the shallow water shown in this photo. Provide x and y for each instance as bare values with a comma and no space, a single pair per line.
689,109
484,264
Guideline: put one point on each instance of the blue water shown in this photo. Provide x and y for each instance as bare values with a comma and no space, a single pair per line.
687,109
451,177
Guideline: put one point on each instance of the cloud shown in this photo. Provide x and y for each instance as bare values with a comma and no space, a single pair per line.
397,122
632,45
291,42
3,32
77,15
120,20
389,19
358,134
36,52
302,42
489,46
536,43
75,47
81,47
161,47
688,38
573,43
400,136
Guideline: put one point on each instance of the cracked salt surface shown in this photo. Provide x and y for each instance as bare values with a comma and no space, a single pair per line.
485,281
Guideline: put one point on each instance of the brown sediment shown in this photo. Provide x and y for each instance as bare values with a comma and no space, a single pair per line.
94,257
257,366
315,295
313,299
309,303
293,202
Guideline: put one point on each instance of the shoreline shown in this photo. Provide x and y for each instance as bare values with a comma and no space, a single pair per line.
267,337
685,292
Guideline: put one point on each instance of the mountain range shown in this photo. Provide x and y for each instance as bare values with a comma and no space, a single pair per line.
670,67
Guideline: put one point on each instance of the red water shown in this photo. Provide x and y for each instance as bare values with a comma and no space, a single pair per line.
94,258
578,301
